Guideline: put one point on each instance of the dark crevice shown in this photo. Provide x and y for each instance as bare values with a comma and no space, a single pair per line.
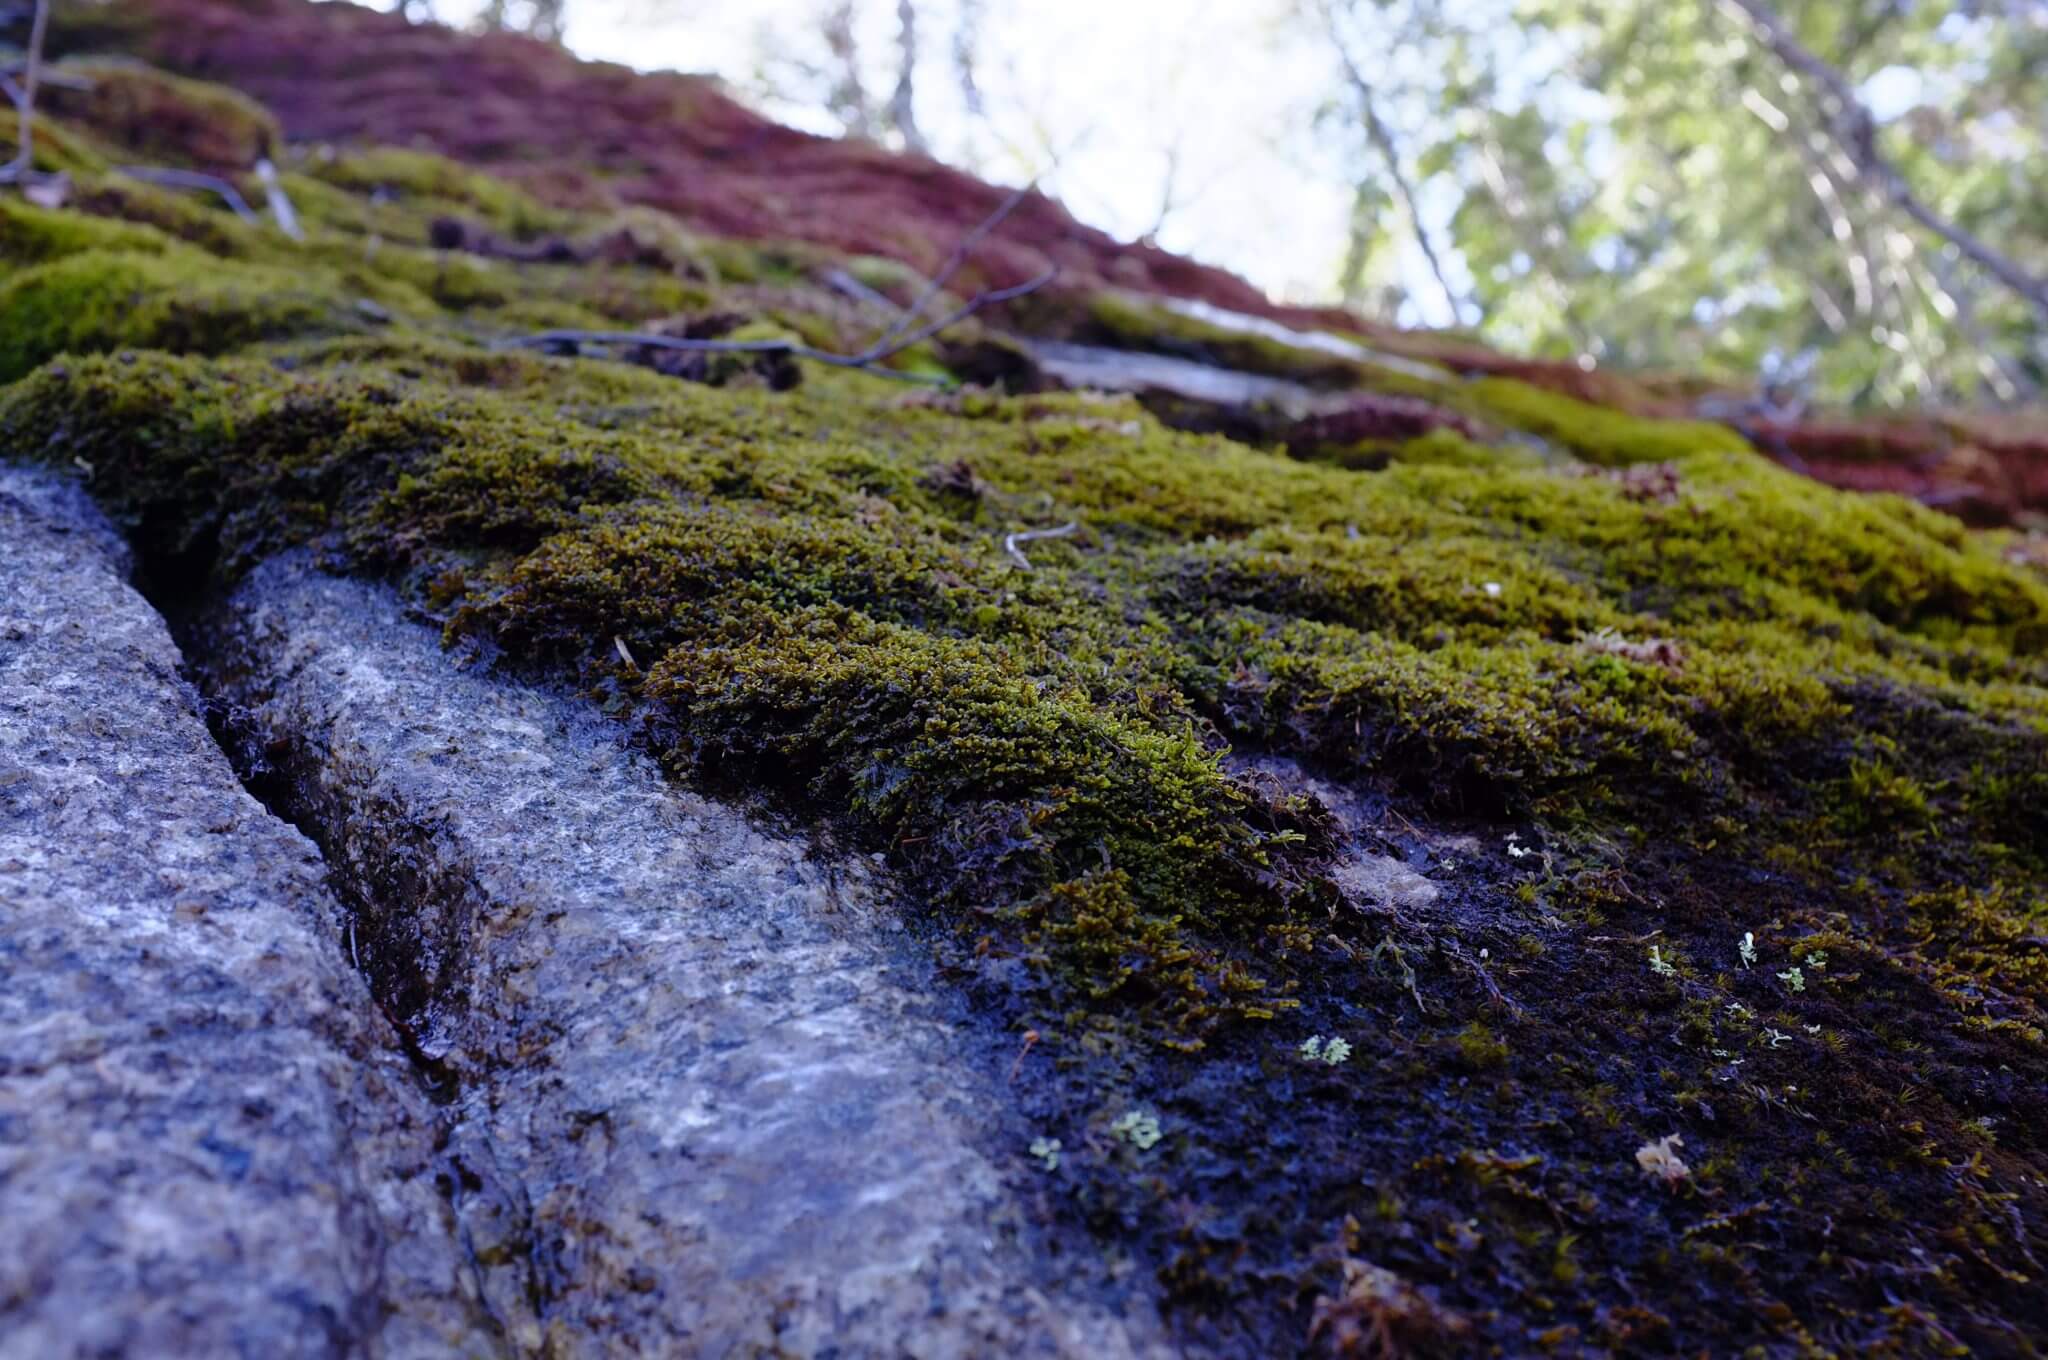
381,902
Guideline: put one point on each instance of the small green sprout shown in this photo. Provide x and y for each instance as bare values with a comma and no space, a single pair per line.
1746,951
1793,978
1047,1151
1817,961
1140,1130
1659,965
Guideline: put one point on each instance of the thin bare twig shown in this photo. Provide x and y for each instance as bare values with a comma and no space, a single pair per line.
868,359
974,304
24,97
193,179
1030,535
280,204
955,261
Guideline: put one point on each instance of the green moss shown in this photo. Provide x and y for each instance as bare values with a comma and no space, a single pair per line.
102,300
31,235
1595,433
195,217
423,185
162,119
1479,1048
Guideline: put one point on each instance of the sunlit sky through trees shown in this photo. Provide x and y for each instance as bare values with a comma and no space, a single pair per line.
1636,183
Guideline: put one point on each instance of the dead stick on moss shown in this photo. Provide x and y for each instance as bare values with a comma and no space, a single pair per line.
868,359
192,179
1017,554
21,167
280,203
954,262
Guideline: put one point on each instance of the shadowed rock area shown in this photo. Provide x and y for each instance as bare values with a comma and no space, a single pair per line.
209,1141
699,1102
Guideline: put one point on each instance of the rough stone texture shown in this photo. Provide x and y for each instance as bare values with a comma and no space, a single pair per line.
209,1143
700,1099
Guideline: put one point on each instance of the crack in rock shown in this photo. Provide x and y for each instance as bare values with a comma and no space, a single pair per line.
209,1141
702,1098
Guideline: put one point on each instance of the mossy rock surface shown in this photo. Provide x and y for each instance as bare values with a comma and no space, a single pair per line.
1626,709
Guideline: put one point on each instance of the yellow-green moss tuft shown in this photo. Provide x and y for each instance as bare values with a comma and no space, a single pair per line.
158,118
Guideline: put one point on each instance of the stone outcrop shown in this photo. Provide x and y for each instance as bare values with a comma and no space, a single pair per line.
702,1098
1522,874
210,1143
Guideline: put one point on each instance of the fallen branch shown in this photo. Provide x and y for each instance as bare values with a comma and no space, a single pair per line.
954,262
21,168
193,179
1030,535
868,359
852,287
280,204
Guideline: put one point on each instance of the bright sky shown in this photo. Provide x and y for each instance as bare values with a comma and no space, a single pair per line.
1112,87
1098,98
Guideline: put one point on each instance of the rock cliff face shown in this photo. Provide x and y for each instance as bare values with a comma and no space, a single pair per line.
210,1142
1209,839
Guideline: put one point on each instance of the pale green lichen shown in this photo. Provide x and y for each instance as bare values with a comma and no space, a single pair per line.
1138,1129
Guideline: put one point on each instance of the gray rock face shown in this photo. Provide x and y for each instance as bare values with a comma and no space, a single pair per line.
210,1144
697,1098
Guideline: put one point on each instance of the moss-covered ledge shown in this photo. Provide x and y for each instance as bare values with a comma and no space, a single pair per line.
1732,789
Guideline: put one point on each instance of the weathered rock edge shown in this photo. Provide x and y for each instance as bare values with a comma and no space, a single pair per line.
210,1142
700,1102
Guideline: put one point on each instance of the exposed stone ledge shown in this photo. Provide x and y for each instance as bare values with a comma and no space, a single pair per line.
701,1100
210,1143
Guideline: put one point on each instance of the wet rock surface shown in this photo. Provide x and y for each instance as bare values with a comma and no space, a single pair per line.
700,1101
210,1143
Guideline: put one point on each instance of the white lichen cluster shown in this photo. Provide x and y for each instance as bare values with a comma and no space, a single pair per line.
1047,1151
1333,1050
1660,965
1136,1128
1660,1160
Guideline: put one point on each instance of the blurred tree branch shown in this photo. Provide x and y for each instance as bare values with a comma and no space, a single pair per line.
1383,143
1855,132
22,167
